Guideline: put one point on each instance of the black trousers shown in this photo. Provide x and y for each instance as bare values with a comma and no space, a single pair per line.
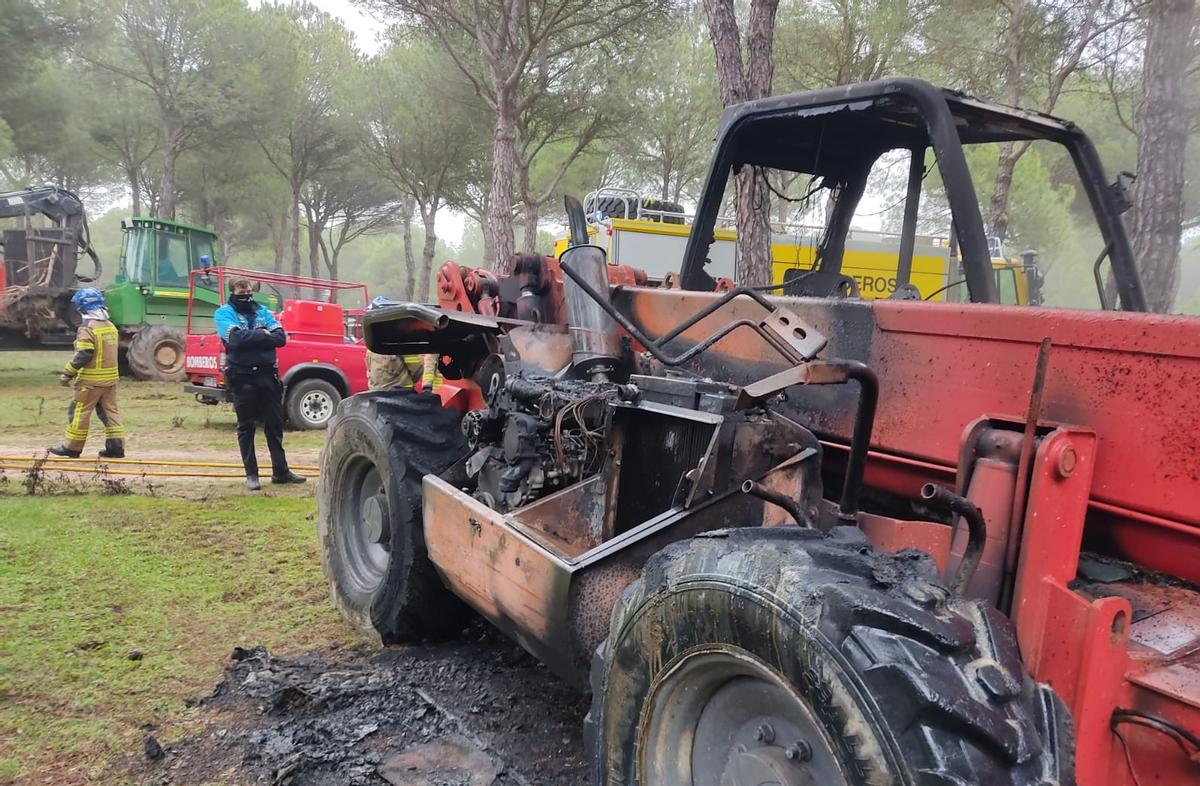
258,398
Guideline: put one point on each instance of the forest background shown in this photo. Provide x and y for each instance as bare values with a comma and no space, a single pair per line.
456,132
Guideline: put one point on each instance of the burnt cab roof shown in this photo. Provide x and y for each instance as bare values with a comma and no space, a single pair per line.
839,132
818,132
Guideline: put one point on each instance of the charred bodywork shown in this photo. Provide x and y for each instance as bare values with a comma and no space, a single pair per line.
579,467
634,463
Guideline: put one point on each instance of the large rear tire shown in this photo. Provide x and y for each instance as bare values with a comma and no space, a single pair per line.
369,522
780,655
156,354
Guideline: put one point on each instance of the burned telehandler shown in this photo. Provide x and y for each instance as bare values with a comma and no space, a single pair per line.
803,539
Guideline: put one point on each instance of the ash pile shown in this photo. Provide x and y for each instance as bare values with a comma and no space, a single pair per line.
464,714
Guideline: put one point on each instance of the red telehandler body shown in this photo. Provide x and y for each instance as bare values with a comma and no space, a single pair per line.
804,539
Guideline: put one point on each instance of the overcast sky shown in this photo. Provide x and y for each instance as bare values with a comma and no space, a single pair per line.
366,28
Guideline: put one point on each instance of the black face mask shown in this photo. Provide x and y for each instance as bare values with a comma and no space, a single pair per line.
243,303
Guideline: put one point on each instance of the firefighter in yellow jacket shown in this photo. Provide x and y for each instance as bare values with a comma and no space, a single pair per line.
385,372
93,371
402,371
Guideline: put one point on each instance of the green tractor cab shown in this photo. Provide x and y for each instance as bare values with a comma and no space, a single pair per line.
149,301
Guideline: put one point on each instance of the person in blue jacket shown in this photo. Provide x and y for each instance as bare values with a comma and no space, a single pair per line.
251,334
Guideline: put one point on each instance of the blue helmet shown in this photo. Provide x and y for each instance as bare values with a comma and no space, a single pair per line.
87,299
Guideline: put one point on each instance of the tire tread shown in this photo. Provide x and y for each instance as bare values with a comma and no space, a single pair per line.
918,650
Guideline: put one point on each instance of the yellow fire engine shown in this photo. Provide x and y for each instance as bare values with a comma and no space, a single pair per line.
649,234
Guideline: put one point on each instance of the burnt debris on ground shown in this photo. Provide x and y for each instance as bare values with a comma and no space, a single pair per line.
474,712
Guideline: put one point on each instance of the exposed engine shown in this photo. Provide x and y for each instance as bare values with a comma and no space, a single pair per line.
537,436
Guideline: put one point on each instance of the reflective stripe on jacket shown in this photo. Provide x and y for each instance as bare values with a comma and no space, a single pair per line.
431,379
101,339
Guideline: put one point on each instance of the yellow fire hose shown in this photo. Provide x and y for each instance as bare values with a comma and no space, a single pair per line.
102,467
143,462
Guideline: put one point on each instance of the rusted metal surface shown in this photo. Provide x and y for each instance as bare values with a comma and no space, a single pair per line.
511,573
991,488
547,347
1128,377
890,534
1116,386
976,527
776,498
570,521
1036,392
500,571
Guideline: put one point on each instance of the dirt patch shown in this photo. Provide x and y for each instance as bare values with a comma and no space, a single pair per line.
437,714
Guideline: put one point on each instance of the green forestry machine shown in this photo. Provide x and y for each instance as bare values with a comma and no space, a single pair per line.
148,301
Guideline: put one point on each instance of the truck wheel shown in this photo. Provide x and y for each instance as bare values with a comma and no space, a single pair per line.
310,403
781,655
380,445
156,353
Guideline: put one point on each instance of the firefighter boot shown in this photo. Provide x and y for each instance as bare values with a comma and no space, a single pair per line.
59,450
113,449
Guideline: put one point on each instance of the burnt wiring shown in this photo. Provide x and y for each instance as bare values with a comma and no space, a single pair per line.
1188,742
1128,757
579,439
1183,738
815,184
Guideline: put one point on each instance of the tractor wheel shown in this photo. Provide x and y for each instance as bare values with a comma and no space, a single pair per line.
156,353
310,403
784,656
380,445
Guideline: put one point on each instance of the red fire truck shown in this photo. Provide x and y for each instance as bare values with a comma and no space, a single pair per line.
324,359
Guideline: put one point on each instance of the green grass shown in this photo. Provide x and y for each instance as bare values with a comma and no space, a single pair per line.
157,415
182,577
85,580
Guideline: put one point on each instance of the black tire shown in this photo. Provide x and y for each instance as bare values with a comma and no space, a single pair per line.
156,353
898,681
310,403
613,207
650,203
380,445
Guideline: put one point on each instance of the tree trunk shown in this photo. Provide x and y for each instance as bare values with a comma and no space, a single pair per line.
742,82
497,226
314,247
280,238
529,218
1005,166
294,243
166,192
427,251
331,263
410,264
760,42
753,264
1162,141
1006,162
135,189
218,226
